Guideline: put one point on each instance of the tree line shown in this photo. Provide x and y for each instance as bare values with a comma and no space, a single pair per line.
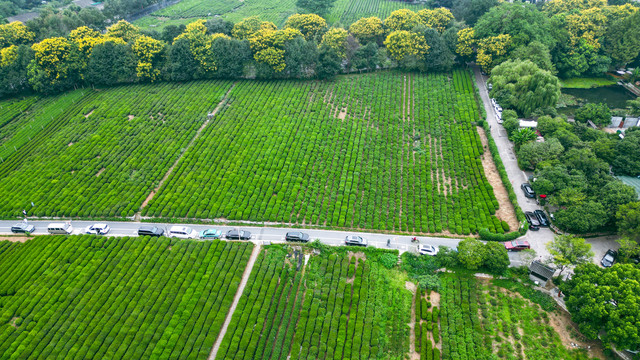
306,47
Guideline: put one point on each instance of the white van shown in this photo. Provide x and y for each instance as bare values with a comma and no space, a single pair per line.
60,228
182,232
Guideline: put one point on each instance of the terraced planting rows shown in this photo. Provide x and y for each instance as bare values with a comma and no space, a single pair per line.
198,8
100,154
120,298
349,11
338,306
379,151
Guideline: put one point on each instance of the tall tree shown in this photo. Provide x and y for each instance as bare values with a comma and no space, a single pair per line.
111,63
568,250
320,7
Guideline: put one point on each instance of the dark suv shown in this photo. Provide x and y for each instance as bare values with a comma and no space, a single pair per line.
534,224
150,230
238,235
297,236
542,217
528,190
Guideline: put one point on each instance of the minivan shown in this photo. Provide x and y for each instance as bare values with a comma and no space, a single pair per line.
182,232
60,228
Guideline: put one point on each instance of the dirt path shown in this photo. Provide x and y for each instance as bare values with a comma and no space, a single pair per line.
236,299
505,210
14,238
184,151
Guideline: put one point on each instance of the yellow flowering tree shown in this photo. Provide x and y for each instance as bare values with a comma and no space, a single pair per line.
55,65
123,30
8,55
249,26
272,57
567,6
310,25
336,39
83,32
200,44
466,42
148,51
367,29
402,44
268,45
491,48
403,19
439,19
15,33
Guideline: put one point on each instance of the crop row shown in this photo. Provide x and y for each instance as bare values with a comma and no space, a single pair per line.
349,11
427,328
336,307
382,151
106,151
93,297
198,8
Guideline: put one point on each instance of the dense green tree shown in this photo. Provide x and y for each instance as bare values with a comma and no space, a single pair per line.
471,10
230,56
628,220
586,161
523,136
568,250
111,63
329,64
54,22
532,153
14,78
536,52
627,161
606,300
366,57
523,86
171,32
548,125
319,7
181,65
218,25
439,57
622,40
472,253
599,114
553,178
497,258
510,121
584,217
300,57
615,194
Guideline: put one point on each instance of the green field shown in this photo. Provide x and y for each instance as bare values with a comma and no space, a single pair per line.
586,83
336,307
115,298
344,12
386,151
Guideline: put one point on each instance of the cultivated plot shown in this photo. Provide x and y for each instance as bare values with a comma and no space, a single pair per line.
119,298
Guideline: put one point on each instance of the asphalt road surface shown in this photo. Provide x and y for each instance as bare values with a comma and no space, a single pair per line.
263,235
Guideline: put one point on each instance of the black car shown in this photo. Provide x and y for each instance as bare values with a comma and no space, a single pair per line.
149,230
297,236
542,217
609,258
528,190
238,235
21,228
532,218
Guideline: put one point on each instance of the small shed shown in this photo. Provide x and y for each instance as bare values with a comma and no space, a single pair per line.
629,122
615,122
540,272
528,124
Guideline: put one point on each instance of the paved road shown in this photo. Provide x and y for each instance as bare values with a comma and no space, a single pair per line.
537,239
261,235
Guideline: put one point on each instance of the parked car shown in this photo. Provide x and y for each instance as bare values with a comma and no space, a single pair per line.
532,219
210,234
542,217
427,250
238,235
498,108
517,245
609,258
23,227
60,228
297,236
528,190
182,232
150,230
493,102
490,86
97,229
355,240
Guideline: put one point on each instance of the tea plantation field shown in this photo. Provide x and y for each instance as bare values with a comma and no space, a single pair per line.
385,151
339,306
115,298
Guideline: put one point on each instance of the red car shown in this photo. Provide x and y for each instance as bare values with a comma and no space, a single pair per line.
517,245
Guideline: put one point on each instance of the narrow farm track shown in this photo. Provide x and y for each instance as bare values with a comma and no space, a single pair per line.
236,299
193,140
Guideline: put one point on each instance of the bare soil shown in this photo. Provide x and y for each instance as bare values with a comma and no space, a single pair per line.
14,238
560,321
89,114
100,172
505,211
131,117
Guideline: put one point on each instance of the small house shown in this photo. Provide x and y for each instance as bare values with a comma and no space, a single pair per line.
540,272
616,121
528,124
629,122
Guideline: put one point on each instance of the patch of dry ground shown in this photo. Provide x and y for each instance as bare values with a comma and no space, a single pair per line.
505,211
14,238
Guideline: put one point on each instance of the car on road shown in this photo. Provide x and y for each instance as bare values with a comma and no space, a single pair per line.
355,240
498,108
182,232
528,190
517,245
150,230
97,229
238,235
493,102
210,234
489,86
542,217
23,227
609,258
297,236
427,250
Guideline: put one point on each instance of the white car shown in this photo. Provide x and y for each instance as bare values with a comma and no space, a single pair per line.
498,108
97,229
182,232
354,240
427,250
493,101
